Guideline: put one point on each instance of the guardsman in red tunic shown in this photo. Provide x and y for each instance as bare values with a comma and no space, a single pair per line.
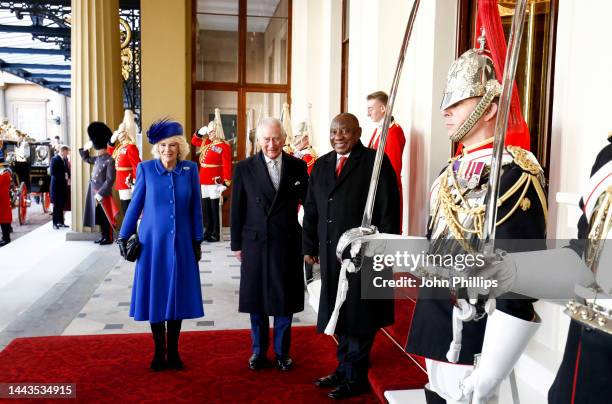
6,211
122,147
215,173
302,148
394,148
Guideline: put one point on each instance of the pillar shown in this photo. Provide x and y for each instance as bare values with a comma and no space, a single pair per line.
166,64
2,101
96,87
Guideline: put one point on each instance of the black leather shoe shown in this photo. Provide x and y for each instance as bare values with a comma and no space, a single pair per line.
284,364
56,226
105,242
348,389
174,361
98,241
333,380
63,225
3,243
257,362
158,363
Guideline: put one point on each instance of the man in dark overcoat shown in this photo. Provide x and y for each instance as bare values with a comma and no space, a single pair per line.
60,172
266,237
336,200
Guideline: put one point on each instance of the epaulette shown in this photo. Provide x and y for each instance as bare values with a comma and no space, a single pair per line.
610,136
525,160
313,152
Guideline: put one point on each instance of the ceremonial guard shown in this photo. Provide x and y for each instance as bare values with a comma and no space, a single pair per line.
215,173
6,208
586,369
441,330
304,151
394,148
100,207
302,148
122,147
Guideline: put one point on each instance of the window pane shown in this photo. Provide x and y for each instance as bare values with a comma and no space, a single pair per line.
268,8
259,106
218,6
266,50
217,48
227,102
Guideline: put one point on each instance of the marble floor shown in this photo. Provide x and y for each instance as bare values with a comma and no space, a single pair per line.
51,286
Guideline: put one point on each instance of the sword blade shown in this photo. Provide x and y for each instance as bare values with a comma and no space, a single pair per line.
380,152
487,242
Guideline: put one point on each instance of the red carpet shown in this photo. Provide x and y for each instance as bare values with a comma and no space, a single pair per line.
114,368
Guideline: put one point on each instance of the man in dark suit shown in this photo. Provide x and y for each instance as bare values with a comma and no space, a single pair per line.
60,173
266,238
336,200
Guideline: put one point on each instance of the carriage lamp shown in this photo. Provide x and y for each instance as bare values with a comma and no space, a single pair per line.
41,156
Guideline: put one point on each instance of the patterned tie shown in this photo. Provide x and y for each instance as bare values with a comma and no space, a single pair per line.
274,174
340,165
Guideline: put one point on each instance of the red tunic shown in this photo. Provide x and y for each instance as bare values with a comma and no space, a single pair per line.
215,160
308,155
6,210
126,160
393,149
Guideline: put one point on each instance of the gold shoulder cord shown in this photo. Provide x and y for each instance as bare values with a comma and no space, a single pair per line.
599,227
451,209
204,151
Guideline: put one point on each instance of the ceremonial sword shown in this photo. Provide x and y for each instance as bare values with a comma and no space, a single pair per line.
486,244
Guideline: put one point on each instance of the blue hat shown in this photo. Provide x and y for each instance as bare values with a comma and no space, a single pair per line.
163,129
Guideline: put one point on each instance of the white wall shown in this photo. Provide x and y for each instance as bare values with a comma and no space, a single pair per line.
376,32
39,106
315,66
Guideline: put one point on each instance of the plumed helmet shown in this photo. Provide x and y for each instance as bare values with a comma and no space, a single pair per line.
471,75
163,129
300,132
468,77
99,134
129,125
218,124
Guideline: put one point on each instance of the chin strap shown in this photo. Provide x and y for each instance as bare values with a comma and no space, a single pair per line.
493,89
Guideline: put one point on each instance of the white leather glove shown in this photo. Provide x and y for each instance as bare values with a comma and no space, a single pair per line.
220,189
203,131
88,145
113,138
98,197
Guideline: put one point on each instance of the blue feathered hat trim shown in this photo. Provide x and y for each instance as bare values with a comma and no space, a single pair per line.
163,129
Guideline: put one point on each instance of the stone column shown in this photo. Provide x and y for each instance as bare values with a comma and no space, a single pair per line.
96,87
165,64
2,101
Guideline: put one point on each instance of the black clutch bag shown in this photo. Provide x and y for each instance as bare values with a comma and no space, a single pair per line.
132,248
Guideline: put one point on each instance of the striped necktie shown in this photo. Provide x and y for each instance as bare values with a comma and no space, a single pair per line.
274,174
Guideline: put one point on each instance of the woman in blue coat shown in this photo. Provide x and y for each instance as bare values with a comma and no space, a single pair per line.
167,279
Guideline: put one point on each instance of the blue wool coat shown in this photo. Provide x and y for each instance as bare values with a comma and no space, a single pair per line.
167,278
